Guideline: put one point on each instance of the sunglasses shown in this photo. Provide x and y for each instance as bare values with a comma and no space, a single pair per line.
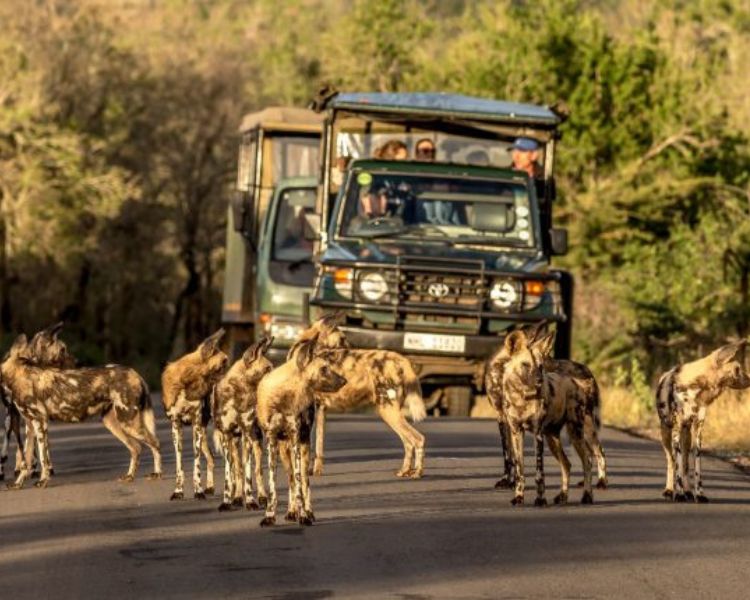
426,150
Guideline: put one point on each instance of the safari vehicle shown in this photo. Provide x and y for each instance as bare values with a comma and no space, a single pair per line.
439,258
268,258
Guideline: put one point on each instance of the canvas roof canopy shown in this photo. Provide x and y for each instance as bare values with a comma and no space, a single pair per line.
442,106
283,118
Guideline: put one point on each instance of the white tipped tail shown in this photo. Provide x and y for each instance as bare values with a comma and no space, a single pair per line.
413,394
218,440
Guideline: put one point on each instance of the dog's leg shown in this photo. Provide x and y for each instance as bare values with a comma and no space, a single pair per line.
506,481
307,516
686,452
539,475
247,474
226,503
210,463
555,446
678,461
320,433
109,420
285,453
666,443
42,442
392,416
198,438
697,451
237,471
256,441
272,451
137,430
179,479
516,440
584,453
591,437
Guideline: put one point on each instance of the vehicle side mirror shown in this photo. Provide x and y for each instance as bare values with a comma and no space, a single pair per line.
242,210
313,226
558,241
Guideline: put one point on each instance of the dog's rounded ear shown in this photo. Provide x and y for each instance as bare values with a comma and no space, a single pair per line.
306,353
20,342
251,354
54,330
210,345
537,330
729,352
514,342
545,345
265,344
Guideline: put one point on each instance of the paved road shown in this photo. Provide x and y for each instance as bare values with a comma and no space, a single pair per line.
450,535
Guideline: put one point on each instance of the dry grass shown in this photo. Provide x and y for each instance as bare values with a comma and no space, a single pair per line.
727,425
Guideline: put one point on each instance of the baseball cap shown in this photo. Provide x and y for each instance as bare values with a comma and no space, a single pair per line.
525,144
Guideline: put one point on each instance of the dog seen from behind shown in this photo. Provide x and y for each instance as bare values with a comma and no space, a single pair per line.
683,396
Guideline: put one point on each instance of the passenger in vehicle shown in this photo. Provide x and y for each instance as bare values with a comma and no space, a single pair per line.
525,157
424,150
392,150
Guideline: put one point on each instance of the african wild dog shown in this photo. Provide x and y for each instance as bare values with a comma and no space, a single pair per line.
186,394
542,402
42,394
286,398
380,377
578,372
233,408
683,395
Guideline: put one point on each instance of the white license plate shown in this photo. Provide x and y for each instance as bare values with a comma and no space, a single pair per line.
436,343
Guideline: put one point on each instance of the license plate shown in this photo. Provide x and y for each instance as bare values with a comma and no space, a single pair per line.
428,342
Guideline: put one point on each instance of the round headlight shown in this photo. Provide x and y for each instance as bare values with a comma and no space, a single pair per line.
504,294
372,286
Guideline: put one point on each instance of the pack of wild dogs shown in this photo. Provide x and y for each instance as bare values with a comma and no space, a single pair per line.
259,410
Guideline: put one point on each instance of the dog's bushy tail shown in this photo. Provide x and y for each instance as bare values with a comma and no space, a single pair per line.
413,393
596,402
147,409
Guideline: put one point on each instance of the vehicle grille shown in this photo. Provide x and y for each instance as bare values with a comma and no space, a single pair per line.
465,291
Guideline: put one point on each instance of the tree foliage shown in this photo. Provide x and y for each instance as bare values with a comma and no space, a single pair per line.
117,125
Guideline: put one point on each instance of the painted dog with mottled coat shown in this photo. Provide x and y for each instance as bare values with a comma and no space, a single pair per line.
382,378
234,412
285,409
186,386
582,376
543,403
46,350
683,396
118,394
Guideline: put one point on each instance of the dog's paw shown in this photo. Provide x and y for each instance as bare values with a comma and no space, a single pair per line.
680,498
153,476
177,496
268,521
504,483
540,502
127,478
291,516
199,495
238,502
209,491
668,495
252,504
701,499
602,483
517,501
224,507
561,498
587,498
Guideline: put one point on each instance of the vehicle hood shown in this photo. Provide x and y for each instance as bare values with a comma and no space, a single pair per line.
379,251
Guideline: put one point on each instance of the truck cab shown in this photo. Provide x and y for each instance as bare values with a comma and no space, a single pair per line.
268,260
439,257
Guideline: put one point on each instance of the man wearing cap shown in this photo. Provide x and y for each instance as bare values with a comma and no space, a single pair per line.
525,155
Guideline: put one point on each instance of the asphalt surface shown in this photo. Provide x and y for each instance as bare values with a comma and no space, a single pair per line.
450,535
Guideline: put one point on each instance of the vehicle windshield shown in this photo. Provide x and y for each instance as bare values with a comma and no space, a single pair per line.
291,233
437,208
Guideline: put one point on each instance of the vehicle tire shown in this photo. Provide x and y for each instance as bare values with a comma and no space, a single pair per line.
458,400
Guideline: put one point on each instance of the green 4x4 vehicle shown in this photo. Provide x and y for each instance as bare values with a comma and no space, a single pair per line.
269,266
438,258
